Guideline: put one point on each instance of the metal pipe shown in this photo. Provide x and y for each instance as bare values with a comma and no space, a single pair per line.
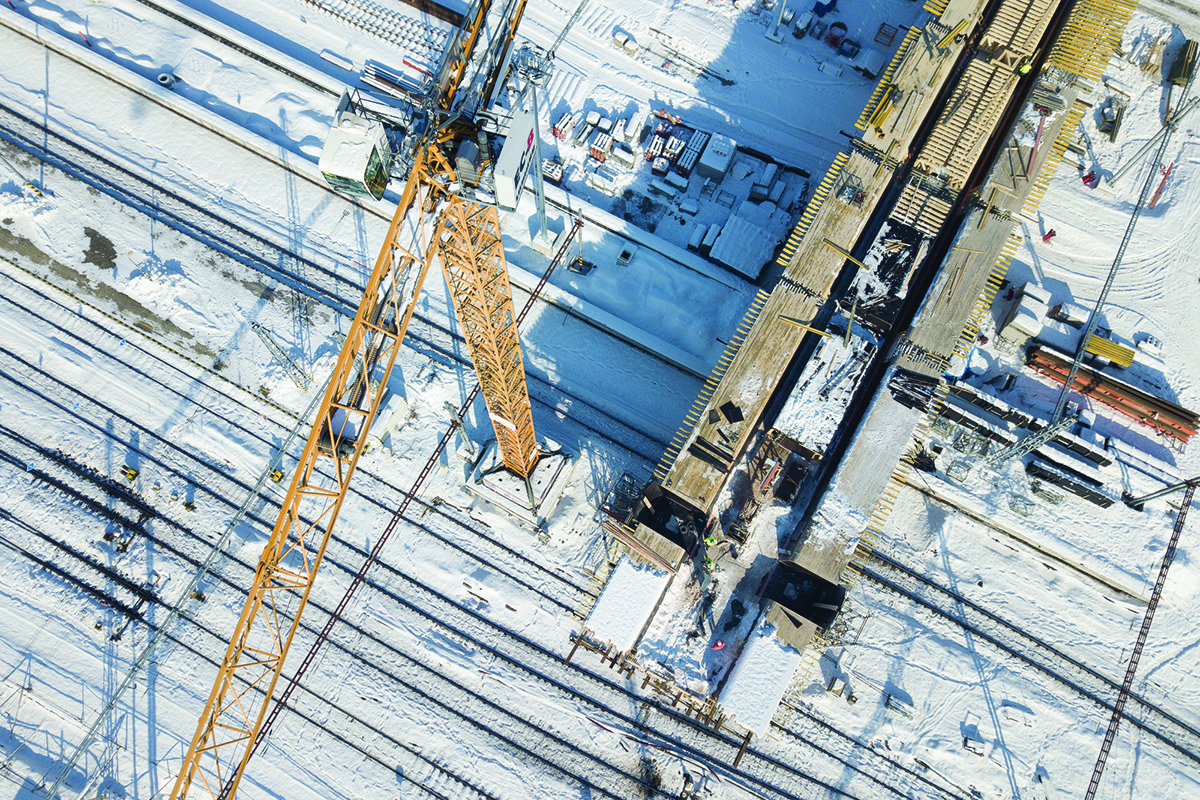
1139,502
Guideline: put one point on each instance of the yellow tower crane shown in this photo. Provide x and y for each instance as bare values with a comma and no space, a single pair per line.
466,240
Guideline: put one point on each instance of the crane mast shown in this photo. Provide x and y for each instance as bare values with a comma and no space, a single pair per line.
288,566
466,240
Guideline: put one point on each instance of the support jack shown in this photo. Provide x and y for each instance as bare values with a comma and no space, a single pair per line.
531,499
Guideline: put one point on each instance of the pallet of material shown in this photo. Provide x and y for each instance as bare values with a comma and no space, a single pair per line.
552,171
686,162
1118,354
676,144
599,146
691,154
583,133
1050,473
1163,415
656,148
697,143
565,125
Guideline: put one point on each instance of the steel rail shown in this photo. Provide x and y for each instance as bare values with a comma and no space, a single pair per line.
1033,644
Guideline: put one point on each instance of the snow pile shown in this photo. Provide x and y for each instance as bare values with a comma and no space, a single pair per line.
759,679
814,410
626,603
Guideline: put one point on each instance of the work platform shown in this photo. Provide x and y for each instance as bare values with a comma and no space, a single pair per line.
719,427
948,320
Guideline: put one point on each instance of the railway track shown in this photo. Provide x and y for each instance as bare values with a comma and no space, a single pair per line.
105,344
319,282
122,594
383,494
185,216
1033,651
411,684
331,88
683,729
423,771
403,32
883,762
422,673
95,492
529,574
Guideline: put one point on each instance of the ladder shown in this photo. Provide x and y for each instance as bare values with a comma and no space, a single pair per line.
1127,684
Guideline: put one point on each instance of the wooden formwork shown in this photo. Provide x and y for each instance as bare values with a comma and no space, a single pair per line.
1091,34
954,144
873,110
924,211
1017,27
705,710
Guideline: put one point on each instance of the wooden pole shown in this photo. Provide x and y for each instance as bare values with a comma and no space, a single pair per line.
742,750
578,641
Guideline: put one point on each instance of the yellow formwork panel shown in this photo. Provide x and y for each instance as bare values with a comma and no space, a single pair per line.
1090,36
1117,353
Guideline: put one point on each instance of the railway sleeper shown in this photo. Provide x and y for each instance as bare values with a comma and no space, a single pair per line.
133,527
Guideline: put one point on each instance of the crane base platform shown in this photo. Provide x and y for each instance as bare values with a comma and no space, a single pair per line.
530,500
552,242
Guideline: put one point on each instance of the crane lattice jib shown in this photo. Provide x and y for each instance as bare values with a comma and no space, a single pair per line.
498,51
461,48
1135,656
1094,317
562,35
458,53
288,566
233,714
472,256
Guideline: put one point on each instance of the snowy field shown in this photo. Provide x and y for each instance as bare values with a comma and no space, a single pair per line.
128,346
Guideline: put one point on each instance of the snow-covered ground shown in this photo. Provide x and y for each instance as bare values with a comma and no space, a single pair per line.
124,344
1074,575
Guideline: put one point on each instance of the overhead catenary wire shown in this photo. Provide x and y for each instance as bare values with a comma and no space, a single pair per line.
189,592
